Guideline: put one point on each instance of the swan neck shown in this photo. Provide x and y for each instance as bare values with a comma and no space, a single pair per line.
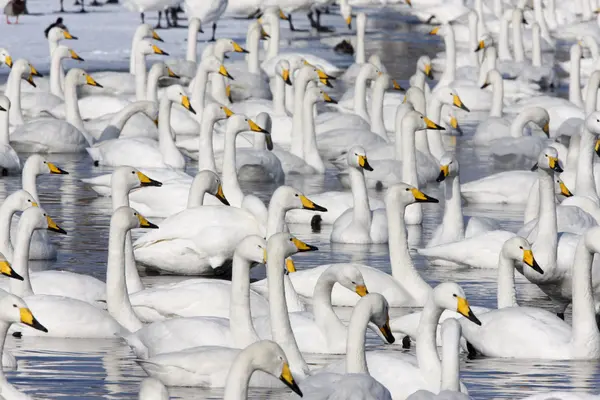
20,262
240,315
325,317
356,360
166,144
503,49
275,217
497,98
4,131
547,223
450,360
310,151
591,99
55,76
449,74
231,185
29,177
199,92
507,295
575,95
273,48
206,155
191,53
360,94
533,204
518,125
134,42
119,120
409,158
13,92
427,355
361,213
360,43
238,378
7,210
518,39
377,124
585,184
279,97
252,42
140,77
73,115
453,215
4,327
296,147
152,86
536,49
433,136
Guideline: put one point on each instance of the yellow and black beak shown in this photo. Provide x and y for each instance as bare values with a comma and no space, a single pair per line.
8,61
529,260
328,99
396,85
223,71
444,172
146,181
480,46
457,102
156,37
185,102
283,16
159,51
53,227
323,75
409,2
221,196
30,80
303,247
348,21
486,84
597,147
464,309
421,197
554,164
227,111
90,81
361,290
364,163
34,72
286,77
6,270
264,260
290,267
546,129
239,49
428,71
564,190
386,331
263,34
434,31
75,56
326,82
432,125
309,205
172,74
144,223
55,170
255,128
27,318
287,378
68,36
228,93
3,109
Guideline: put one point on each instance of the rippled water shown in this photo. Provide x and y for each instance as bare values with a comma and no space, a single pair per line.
52,368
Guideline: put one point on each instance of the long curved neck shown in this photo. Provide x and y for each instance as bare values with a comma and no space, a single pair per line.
140,76
310,152
191,53
231,185
170,153
7,210
20,262
152,85
498,98
427,355
481,29
279,96
507,295
585,184
199,92
377,124
120,119
449,74
533,204
218,85
453,215
29,177
547,238
281,329
518,125
206,155
409,158
55,76
536,49
273,48
4,136
361,213
13,92
252,42
434,137
518,39
503,49
575,95
240,316
300,84
591,98
276,217
356,360
71,105
136,38
196,196
4,326
360,94
360,57
541,20
120,198
238,378
473,39
450,359
403,269
117,299
326,319
585,331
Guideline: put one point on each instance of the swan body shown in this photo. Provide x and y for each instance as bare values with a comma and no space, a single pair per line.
9,160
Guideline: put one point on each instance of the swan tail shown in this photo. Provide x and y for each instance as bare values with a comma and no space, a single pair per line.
95,153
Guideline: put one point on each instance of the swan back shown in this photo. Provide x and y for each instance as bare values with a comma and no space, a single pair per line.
153,389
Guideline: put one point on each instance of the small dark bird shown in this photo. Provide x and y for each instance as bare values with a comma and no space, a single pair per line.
14,8
58,23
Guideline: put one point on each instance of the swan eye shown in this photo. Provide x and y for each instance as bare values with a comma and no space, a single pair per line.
407,189
45,215
296,195
291,240
45,162
521,247
14,305
454,295
133,172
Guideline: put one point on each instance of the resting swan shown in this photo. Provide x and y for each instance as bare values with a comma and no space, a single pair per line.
9,160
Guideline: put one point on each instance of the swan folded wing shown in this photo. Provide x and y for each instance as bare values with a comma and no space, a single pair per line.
117,152
48,135
525,146
569,219
9,158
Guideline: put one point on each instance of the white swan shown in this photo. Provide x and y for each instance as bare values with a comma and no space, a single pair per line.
138,119
187,68
153,389
21,69
50,135
541,334
9,160
355,382
197,240
405,285
163,154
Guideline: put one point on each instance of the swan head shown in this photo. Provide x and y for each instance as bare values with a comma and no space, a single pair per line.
448,167
376,61
346,12
406,195
287,198
493,78
14,309
21,200
81,78
288,244
129,178
240,123
268,356
5,58
451,297
415,98
441,30
315,94
7,270
25,70
40,166
212,64
387,82
211,183
57,33
518,250
127,218
485,42
576,52
378,309
548,161
450,97
424,65
561,188
64,52
4,103
449,118
38,218
146,47
177,94
282,69
223,46
540,117
314,73
369,71
357,158
252,248
146,31
592,123
418,121
351,278
160,69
